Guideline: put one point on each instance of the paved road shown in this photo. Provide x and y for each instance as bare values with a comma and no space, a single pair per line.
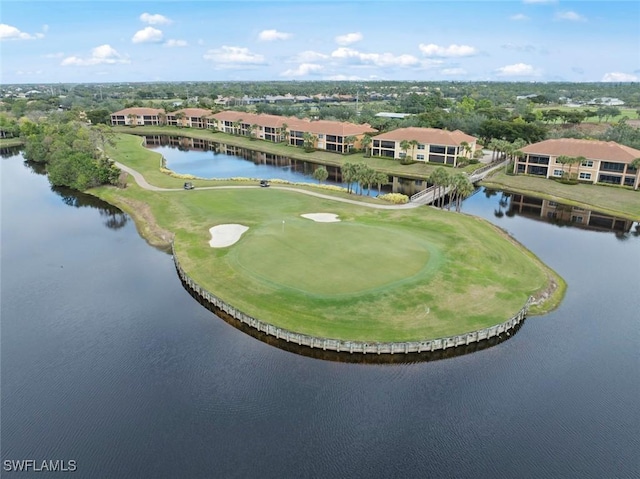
142,182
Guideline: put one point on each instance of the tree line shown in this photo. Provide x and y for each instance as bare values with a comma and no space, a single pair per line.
73,152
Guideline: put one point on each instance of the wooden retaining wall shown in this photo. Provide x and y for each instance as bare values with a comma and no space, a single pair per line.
352,347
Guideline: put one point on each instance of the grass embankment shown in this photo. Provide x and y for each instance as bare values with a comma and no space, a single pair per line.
418,170
9,142
616,201
378,275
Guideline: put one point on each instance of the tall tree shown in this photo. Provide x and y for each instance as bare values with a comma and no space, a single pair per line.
320,174
366,144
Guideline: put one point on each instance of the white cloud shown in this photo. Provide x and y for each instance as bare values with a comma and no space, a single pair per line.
517,69
341,77
8,32
104,54
155,19
230,57
303,69
570,16
147,35
349,38
309,56
271,35
454,71
518,17
378,59
619,77
176,43
433,50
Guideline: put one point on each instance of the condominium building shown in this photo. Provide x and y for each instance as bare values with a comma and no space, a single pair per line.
425,144
138,116
601,161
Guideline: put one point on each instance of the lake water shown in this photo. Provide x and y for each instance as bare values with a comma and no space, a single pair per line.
106,360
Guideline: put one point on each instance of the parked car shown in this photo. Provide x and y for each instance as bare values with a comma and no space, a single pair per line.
264,183
188,186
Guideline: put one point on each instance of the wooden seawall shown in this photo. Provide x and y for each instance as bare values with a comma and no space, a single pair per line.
350,347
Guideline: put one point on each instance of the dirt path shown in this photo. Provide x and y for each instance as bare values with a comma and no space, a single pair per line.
142,183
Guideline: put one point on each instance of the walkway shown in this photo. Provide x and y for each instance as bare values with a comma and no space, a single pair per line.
142,183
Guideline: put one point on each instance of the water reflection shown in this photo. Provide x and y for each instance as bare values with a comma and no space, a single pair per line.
193,156
560,214
114,218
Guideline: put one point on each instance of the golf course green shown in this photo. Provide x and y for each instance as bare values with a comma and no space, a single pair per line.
383,275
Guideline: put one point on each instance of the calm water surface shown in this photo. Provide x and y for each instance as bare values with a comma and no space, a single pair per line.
106,360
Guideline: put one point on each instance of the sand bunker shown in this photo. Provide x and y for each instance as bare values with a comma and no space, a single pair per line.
321,217
225,235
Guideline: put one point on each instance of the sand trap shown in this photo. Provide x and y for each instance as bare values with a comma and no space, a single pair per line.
225,235
322,217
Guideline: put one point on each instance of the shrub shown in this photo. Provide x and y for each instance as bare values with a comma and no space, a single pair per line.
395,198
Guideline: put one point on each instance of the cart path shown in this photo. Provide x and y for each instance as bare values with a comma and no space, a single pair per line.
142,183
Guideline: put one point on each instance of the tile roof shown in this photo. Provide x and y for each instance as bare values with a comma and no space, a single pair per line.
430,136
139,111
272,121
338,128
192,112
590,149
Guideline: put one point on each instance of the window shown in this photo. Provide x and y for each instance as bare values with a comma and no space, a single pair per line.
541,160
585,176
553,203
557,172
576,219
421,147
587,163
610,166
451,150
420,157
437,149
320,136
388,144
611,179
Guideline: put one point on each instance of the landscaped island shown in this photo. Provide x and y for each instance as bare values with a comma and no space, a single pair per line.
374,275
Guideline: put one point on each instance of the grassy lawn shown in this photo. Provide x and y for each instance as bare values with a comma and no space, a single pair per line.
378,275
616,201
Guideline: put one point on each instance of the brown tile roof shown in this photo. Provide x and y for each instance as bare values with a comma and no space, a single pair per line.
272,121
427,136
192,112
338,128
139,111
590,149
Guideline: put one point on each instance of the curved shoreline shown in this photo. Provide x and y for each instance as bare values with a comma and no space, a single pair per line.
381,349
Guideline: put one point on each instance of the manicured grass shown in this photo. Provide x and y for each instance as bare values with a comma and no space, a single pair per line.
377,275
616,201
629,113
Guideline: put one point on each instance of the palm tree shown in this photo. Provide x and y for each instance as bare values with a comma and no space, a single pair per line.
348,174
636,164
132,119
404,146
463,188
381,179
563,160
284,132
162,118
366,144
252,131
179,117
309,141
439,178
349,141
579,160
414,144
321,174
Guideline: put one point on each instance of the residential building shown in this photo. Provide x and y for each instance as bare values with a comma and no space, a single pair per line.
336,136
189,117
138,116
431,145
604,161
261,126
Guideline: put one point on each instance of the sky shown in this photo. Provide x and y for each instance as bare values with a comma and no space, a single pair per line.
136,41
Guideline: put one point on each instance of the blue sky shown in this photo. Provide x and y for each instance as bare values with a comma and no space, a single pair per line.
509,40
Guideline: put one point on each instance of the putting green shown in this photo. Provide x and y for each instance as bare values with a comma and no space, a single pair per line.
300,255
